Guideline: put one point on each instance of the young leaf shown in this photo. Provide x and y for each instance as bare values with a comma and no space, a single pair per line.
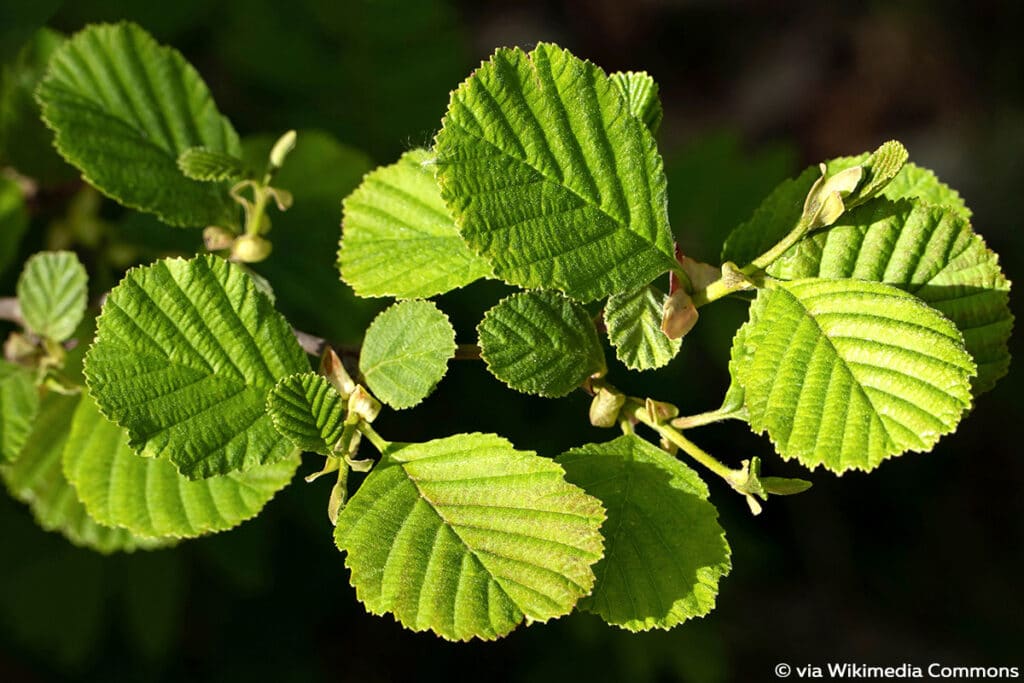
36,478
551,179
207,165
641,93
846,373
148,496
406,352
466,536
19,405
665,551
185,355
398,238
914,181
929,251
308,410
633,320
540,343
123,109
13,221
52,291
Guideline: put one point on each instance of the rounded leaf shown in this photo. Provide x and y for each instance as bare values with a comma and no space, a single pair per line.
52,291
308,410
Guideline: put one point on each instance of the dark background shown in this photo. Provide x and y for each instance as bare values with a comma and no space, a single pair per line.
921,561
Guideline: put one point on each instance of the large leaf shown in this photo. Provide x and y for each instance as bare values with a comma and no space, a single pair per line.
540,343
928,251
52,291
846,373
551,179
398,238
201,163
37,478
185,355
633,320
466,535
406,352
148,496
13,221
641,93
309,411
123,109
664,549
19,405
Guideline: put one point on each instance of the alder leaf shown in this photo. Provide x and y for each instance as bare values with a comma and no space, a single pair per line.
664,549
398,238
148,496
633,320
123,109
846,373
19,405
917,182
309,411
540,343
185,355
551,179
466,536
37,478
13,221
53,291
928,251
641,93
207,165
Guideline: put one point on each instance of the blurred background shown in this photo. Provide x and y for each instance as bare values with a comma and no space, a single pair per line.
919,562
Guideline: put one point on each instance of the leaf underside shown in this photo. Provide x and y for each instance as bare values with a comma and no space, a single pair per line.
52,292
466,536
633,320
309,411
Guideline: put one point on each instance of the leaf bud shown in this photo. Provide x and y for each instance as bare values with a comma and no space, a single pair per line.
250,249
678,315
604,409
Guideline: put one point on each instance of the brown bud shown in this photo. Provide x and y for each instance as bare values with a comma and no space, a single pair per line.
604,409
678,315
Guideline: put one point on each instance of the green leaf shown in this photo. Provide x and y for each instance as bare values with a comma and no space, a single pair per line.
665,551
53,292
309,411
641,93
633,320
466,536
207,165
406,351
185,355
915,181
551,180
880,167
148,496
540,343
398,238
13,221
19,405
846,373
36,478
123,109
928,251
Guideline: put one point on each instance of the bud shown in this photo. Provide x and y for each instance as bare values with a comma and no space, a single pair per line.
678,315
604,409
339,496
284,145
700,274
250,249
363,404
659,411
824,203
19,349
216,238
334,370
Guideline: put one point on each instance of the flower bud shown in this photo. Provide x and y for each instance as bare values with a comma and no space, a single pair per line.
250,249
604,409
678,315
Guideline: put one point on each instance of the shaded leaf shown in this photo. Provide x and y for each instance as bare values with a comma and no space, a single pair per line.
201,163
633,320
19,405
13,221
309,411
53,292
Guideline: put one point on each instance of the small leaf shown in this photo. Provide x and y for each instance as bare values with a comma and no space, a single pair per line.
309,411
880,167
398,238
19,405
406,352
540,343
13,221
551,179
466,536
633,320
123,109
185,355
845,373
917,182
148,496
641,93
665,549
207,165
52,291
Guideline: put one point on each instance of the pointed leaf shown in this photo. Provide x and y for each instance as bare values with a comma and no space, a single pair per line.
550,178
52,291
202,163
398,238
641,93
466,536
540,343
665,551
148,496
123,109
928,251
633,320
309,411
406,352
845,373
19,405
185,355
